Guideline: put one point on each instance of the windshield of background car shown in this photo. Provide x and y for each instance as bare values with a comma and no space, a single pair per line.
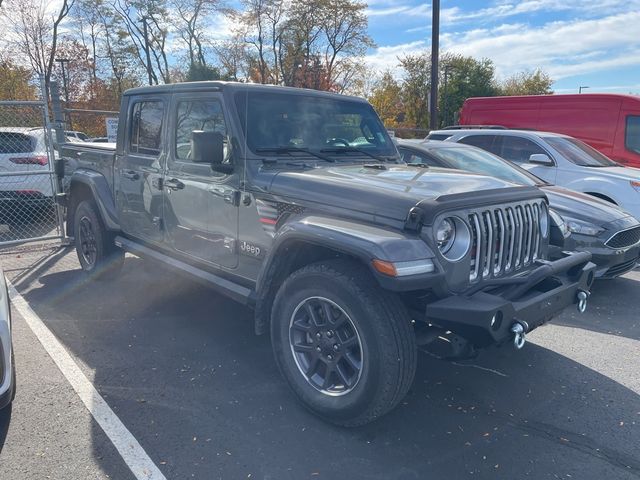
281,120
579,152
479,161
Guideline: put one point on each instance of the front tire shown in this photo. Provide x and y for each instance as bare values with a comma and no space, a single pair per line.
95,247
345,346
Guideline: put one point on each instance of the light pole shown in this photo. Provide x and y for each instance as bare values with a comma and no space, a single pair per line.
581,88
62,62
435,47
445,108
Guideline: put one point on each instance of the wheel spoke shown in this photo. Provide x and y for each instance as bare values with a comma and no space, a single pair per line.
328,313
326,382
313,367
346,381
300,325
350,342
354,364
302,348
313,317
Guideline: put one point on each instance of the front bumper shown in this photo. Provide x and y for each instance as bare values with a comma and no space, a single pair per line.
485,317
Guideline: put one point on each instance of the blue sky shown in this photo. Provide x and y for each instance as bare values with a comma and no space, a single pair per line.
593,43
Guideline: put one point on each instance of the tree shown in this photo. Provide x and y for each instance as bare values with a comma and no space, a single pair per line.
466,77
416,86
16,82
386,98
527,83
36,31
314,44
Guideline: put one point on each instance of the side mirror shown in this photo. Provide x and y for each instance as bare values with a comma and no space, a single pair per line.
541,159
207,147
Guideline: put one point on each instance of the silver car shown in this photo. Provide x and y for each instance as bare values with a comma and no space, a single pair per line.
7,367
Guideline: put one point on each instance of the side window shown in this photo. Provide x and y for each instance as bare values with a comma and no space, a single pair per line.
632,134
196,115
413,158
485,142
146,128
518,149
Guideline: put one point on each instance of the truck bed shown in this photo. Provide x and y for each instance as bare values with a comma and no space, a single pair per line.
92,156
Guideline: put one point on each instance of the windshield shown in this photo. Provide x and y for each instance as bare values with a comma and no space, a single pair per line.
478,161
579,152
274,121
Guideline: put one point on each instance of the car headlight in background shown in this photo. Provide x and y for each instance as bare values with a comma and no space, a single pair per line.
558,221
544,220
452,237
583,228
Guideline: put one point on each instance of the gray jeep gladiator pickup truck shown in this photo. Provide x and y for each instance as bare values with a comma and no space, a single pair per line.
296,202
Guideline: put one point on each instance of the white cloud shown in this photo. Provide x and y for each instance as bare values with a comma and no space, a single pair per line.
560,48
386,58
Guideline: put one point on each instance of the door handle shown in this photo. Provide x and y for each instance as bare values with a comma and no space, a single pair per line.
173,184
131,175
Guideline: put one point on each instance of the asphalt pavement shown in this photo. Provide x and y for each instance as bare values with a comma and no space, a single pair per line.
181,368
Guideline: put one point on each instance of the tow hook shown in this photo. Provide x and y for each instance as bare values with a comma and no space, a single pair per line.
582,300
519,335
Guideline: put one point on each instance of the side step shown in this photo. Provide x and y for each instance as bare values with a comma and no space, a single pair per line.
240,294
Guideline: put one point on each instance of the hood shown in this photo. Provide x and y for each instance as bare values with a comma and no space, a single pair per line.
622,173
389,191
582,206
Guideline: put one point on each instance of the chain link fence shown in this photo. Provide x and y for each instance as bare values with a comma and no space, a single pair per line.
28,187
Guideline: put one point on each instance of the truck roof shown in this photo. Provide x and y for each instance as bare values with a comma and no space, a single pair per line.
584,97
236,86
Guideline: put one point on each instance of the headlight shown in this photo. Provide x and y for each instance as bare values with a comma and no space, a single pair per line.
452,237
558,221
445,234
635,184
582,227
544,221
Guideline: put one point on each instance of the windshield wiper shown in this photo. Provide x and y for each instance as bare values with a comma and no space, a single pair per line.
289,150
354,150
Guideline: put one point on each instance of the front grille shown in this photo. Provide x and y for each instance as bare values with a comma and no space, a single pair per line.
625,238
505,239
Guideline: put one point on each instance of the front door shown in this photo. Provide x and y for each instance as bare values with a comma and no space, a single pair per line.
200,203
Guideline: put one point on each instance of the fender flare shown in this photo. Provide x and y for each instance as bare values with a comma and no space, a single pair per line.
101,194
363,242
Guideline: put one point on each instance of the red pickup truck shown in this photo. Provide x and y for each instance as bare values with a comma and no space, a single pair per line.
610,123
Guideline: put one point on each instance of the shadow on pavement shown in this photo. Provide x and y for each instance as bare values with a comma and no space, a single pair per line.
613,308
181,367
5,419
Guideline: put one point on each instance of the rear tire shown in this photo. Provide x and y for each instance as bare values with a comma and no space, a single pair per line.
345,346
97,252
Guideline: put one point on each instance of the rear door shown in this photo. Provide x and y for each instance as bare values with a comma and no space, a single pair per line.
200,203
138,170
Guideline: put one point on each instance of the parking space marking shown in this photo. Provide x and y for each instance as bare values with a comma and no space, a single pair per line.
129,448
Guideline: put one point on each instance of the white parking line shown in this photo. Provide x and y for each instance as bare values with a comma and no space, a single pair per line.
132,453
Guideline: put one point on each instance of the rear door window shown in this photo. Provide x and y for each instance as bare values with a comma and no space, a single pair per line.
438,136
146,128
519,149
485,142
14,142
632,133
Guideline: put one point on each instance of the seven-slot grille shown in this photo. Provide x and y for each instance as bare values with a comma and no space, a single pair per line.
625,238
504,239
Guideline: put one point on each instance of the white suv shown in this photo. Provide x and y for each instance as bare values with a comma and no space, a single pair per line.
558,159
24,150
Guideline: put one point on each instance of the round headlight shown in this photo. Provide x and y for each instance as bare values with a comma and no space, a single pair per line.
452,237
445,234
544,220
